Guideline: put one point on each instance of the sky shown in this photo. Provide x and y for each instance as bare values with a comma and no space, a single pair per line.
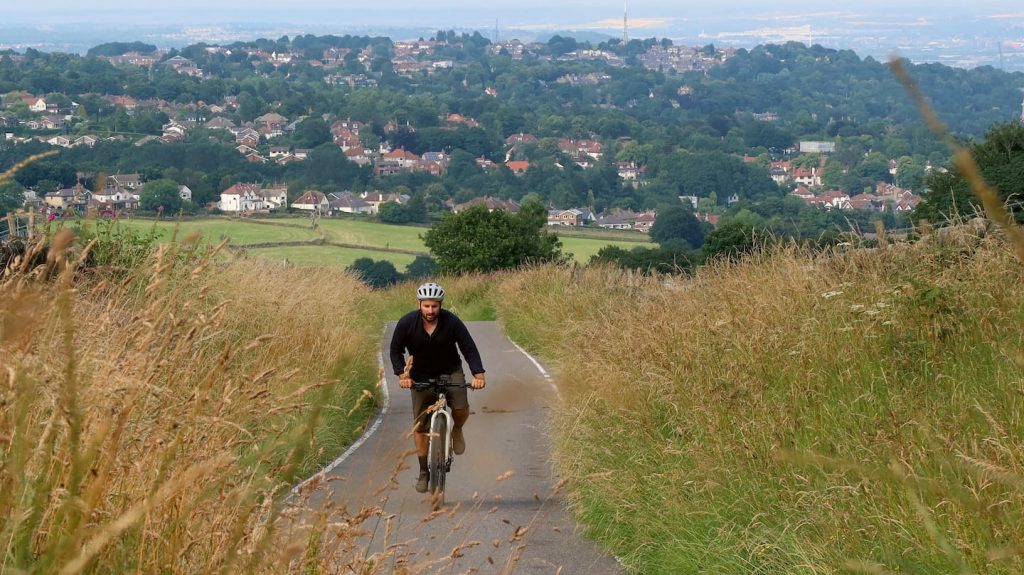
448,13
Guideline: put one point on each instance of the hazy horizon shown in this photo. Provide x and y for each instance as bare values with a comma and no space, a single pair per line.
983,32
525,14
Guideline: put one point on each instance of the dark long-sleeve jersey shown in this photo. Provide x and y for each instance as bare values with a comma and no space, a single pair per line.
434,354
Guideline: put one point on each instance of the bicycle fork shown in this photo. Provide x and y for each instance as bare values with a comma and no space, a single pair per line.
447,437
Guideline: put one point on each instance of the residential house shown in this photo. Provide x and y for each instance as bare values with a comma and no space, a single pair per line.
51,122
127,102
485,164
375,199
869,202
359,155
614,222
62,141
434,162
126,181
312,201
803,193
518,166
521,138
906,203
455,120
347,203
250,197
34,103
185,193
644,222
183,65
220,123
492,204
833,200
807,177
247,137
87,141
396,161
175,131
575,148
272,123
114,197
707,217
570,217
76,198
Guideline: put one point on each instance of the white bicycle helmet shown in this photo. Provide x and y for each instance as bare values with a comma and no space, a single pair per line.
430,291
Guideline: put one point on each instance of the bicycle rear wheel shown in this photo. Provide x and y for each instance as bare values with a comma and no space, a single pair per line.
438,460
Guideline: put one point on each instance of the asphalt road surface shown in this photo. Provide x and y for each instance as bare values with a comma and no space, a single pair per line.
503,512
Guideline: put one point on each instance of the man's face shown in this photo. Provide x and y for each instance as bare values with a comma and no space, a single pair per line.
429,308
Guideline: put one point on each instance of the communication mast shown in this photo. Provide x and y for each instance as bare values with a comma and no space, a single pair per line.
625,22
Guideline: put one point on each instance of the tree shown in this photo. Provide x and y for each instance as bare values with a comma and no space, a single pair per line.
1000,157
478,240
377,274
311,132
11,196
731,240
678,223
669,260
393,213
421,267
161,194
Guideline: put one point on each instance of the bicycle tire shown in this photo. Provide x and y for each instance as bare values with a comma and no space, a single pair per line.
438,460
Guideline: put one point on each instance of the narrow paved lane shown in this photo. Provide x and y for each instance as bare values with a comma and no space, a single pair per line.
503,513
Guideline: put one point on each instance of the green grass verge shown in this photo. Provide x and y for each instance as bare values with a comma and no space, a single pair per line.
857,413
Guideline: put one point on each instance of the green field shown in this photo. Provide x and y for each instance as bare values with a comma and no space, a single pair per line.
240,232
328,256
353,232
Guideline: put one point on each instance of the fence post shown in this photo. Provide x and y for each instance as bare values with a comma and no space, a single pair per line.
31,225
12,226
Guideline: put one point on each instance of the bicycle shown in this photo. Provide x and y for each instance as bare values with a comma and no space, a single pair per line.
440,452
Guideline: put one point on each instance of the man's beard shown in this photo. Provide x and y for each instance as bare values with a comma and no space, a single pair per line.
432,317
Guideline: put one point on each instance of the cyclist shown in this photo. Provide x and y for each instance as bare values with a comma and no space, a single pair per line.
434,337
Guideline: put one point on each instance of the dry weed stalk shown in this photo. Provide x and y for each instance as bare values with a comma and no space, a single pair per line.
150,411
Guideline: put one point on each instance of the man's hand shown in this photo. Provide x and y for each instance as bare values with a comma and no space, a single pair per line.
478,381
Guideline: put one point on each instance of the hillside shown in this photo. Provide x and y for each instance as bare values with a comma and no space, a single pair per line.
851,412
154,408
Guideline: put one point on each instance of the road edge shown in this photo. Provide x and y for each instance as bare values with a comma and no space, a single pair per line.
383,384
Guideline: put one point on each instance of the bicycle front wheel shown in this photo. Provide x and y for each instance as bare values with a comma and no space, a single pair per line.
438,459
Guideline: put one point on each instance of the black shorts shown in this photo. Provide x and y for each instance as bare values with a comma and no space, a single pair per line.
458,398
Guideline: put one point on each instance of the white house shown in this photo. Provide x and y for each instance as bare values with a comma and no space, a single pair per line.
252,198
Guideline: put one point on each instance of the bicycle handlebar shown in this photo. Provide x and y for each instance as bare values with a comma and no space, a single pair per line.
432,384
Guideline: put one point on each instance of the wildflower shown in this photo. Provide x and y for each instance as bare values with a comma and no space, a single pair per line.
831,294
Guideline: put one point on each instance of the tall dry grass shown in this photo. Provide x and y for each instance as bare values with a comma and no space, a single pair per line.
795,413
152,419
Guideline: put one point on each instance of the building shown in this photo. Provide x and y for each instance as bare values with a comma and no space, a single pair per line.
817,147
